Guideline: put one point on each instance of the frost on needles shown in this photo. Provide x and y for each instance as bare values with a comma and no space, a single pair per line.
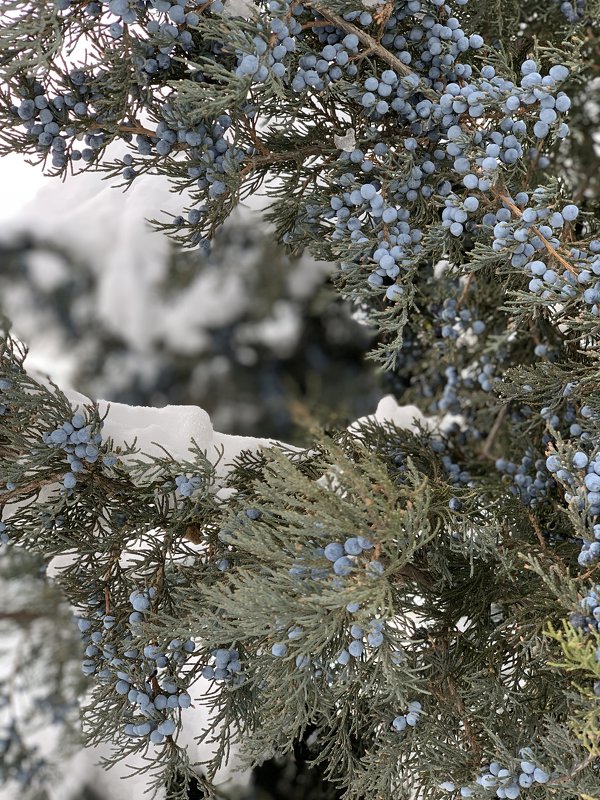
424,603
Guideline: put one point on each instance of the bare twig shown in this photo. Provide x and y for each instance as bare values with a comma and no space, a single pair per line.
27,488
485,452
587,761
538,531
465,289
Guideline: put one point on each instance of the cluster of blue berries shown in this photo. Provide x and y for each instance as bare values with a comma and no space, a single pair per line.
587,263
5,385
143,674
519,231
316,71
588,617
410,719
573,11
533,479
154,64
342,559
363,203
374,635
530,480
503,782
456,321
210,157
345,557
456,474
52,121
368,634
432,98
270,50
81,442
475,158
568,420
187,486
581,479
128,12
456,211
226,667
485,373
534,230
449,399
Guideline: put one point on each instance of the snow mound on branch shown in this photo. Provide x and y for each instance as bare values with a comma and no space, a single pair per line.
173,429
83,770
388,410
406,417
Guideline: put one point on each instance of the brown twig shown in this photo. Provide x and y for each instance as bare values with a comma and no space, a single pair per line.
538,531
139,129
27,488
296,155
258,143
587,761
553,252
116,554
462,713
487,445
277,158
465,289
413,573
447,689
585,575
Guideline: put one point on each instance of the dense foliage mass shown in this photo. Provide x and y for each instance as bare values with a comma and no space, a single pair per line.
421,607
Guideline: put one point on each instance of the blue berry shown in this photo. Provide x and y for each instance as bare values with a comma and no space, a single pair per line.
333,551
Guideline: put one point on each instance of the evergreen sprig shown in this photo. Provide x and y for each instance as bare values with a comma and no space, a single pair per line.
397,598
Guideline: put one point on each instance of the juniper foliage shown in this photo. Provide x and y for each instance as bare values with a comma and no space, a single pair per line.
424,602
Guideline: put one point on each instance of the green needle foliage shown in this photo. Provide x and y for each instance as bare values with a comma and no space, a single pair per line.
419,609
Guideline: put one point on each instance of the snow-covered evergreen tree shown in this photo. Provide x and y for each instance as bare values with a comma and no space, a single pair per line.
414,600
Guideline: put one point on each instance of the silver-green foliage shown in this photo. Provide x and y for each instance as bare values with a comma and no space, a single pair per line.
471,537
